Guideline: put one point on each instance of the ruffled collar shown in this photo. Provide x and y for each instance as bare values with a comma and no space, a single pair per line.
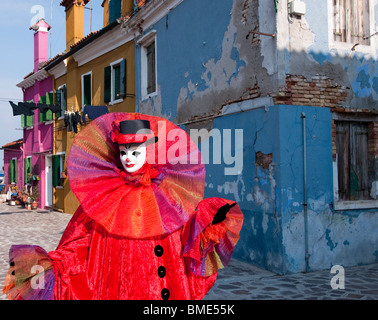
147,175
155,201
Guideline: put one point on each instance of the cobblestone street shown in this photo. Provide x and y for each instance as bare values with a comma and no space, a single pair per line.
239,281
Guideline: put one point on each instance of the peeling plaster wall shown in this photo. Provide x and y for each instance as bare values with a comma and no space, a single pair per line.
208,58
270,192
204,54
308,49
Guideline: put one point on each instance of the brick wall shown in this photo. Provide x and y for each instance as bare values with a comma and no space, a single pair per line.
318,91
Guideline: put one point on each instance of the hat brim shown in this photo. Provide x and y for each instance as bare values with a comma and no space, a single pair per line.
122,139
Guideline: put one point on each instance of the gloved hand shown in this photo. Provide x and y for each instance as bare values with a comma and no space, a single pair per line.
221,214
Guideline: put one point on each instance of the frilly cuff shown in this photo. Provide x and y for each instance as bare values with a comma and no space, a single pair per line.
31,275
209,246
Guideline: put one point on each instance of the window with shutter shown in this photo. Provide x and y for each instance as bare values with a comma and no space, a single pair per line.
86,89
151,85
352,160
58,165
115,82
56,170
27,169
42,115
49,100
58,101
13,171
107,84
351,20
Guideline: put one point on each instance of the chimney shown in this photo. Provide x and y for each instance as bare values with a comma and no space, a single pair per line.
41,42
74,20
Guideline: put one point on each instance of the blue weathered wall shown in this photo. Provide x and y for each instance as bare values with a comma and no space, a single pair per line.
207,61
271,193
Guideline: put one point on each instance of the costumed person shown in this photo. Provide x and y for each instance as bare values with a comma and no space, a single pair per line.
142,230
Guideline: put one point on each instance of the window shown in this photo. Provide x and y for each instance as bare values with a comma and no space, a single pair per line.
61,99
356,168
86,89
148,64
58,166
13,171
27,121
27,169
115,82
46,99
351,21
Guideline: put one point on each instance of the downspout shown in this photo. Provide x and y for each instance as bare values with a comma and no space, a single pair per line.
53,132
307,255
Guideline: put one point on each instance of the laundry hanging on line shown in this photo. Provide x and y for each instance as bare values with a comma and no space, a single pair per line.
94,112
21,109
71,120
27,108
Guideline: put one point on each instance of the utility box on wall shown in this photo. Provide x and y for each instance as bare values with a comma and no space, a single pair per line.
297,8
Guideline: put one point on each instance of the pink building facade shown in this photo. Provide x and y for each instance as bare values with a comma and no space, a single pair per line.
37,147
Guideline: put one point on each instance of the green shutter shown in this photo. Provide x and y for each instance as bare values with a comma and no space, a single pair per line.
114,10
27,169
64,97
11,171
122,91
23,118
29,121
58,101
87,88
42,115
49,100
56,170
107,83
117,82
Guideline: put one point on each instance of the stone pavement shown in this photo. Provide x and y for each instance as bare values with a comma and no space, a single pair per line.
239,281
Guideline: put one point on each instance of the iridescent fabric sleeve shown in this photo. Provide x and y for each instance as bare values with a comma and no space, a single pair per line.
31,275
209,247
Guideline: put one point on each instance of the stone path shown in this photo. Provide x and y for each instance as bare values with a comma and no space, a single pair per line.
239,281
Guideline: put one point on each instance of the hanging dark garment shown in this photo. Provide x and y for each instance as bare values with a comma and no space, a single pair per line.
45,107
76,120
22,108
55,108
94,112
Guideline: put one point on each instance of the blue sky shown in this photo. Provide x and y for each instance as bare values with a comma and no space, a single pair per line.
17,55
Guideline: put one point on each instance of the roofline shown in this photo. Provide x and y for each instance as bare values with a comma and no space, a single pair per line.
83,44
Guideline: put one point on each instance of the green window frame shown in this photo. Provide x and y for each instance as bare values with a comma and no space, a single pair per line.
86,89
115,81
13,170
46,99
27,169
58,165
27,121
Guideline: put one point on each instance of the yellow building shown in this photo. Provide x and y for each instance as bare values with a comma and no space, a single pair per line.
96,70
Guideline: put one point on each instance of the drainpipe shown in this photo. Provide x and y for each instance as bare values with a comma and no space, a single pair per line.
307,255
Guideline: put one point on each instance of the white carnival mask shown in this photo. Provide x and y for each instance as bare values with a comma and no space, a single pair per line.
133,156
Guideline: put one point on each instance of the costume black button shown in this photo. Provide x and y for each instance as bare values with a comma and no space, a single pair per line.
165,294
13,273
159,251
12,264
161,272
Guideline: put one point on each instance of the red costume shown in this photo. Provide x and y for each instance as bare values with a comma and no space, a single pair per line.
145,235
